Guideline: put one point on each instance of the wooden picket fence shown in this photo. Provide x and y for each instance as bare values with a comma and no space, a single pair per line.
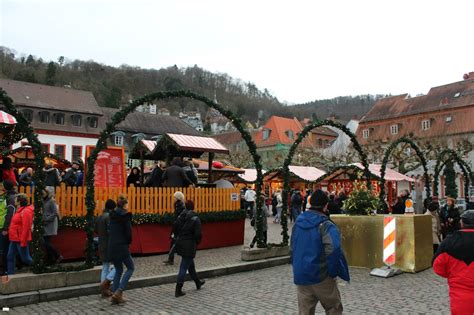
71,200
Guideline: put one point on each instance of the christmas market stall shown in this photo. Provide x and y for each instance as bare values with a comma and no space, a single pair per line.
301,178
23,157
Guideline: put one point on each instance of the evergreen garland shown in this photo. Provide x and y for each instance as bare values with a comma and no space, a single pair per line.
122,114
388,152
454,157
24,128
289,159
450,180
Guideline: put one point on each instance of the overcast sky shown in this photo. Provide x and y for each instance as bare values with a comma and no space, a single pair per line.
299,50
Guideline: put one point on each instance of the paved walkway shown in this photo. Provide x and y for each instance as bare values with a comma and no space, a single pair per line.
267,291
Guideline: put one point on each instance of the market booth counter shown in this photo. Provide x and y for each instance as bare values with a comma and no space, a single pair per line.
362,241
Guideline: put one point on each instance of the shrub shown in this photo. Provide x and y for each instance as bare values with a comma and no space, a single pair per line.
361,201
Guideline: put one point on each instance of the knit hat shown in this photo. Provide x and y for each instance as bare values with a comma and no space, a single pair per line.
467,217
319,199
110,204
8,184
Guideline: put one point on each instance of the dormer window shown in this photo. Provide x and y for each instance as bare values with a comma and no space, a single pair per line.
365,133
425,124
290,134
28,113
266,134
394,129
118,140
59,119
93,122
76,120
449,119
44,117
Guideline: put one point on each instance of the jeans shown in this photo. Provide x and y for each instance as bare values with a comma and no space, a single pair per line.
254,240
278,215
24,252
51,253
107,273
187,264
295,211
118,264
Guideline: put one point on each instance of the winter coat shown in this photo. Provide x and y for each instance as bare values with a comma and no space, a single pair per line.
279,199
50,217
155,179
398,208
188,231
190,174
296,200
133,179
80,179
333,207
316,249
70,177
10,209
435,224
179,207
454,260
10,175
448,213
120,234
265,214
52,177
174,176
20,226
102,226
26,179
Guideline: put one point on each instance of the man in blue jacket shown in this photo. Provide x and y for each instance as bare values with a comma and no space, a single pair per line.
317,258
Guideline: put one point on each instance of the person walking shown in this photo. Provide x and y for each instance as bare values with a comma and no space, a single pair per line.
279,207
7,209
188,231
265,215
296,202
179,207
432,210
19,233
120,238
50,221
317,258
454,260
102,226
249,197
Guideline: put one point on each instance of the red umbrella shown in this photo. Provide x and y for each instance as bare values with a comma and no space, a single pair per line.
6,118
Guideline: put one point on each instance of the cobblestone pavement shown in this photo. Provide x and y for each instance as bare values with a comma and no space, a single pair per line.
267,291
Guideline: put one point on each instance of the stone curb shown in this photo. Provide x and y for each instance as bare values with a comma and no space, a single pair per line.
47,295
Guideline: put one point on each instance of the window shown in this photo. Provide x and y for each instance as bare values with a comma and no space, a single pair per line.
76,120
60,150
449,119
266,134
394,129
59,119
93,122
118,140
44,117
45,147
290,134
28,113
457,94
365,133
76,153
425,124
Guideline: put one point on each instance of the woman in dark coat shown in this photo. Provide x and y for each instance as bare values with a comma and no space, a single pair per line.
179,207
120,238
134,177
50,221
399,206
188,231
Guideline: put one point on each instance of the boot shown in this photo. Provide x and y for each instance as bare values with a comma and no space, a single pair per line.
199,283
117,297
105,288
179,290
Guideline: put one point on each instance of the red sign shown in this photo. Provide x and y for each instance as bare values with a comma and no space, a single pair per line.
109,167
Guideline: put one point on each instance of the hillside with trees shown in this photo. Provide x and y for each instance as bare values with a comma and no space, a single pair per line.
116,86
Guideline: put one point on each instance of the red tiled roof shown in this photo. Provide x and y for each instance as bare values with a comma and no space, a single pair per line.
232,137
325,131
278,127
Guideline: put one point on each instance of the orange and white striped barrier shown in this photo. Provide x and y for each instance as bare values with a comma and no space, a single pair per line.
389,234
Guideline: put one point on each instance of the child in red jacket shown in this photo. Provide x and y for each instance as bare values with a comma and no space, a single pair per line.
454,260
19,233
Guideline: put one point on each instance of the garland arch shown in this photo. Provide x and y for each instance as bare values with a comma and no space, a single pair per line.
122,114
387,154
289,159
24,128
466,170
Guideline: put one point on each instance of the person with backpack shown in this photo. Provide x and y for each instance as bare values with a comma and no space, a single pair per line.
102,226
7,209
179,207
19,233
317,258
50,221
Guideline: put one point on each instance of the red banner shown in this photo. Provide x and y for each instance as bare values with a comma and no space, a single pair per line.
109,167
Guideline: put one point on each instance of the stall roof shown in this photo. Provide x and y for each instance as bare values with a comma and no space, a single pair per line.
390,175
249,175
199,144
305,173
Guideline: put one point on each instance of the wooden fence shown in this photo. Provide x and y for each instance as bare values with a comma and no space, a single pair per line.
71,200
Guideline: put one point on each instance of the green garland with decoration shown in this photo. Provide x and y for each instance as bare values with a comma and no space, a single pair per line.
466,170
289,159
122,114
24,129
388,152
156,218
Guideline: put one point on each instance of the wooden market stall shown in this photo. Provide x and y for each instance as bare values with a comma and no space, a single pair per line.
23,157
301,178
